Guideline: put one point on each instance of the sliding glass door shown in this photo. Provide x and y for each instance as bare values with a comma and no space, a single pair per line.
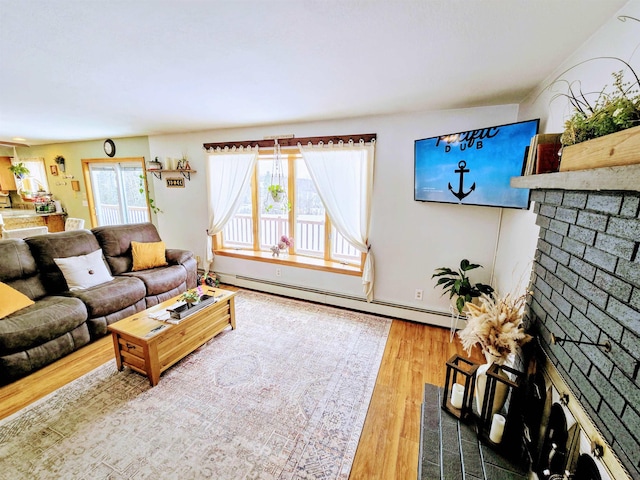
115,192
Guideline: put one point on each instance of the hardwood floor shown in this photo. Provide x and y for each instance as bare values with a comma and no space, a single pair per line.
27,390
415,354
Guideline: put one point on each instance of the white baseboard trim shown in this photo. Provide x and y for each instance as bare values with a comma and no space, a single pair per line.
404,312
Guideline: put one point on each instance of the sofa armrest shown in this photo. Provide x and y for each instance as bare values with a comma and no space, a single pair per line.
177,257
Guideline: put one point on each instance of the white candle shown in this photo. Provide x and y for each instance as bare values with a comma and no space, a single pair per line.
497,428
457,395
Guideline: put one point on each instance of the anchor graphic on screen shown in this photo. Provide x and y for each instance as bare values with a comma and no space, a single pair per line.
462,170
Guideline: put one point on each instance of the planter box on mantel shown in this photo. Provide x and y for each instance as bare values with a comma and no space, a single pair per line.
620,148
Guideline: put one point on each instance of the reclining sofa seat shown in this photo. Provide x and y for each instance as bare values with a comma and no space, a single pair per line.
41,333
161,283
106,303
61,320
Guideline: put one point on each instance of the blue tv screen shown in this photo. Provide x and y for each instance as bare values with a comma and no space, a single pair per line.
474,167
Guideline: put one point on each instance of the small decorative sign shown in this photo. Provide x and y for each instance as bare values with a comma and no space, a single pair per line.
175,182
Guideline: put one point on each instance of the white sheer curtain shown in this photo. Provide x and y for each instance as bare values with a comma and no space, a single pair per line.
228,173
343,176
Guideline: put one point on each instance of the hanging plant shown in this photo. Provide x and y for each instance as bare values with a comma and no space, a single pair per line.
150,201
277,192
60,162
276,201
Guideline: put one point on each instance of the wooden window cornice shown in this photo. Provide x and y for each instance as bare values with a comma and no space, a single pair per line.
292,142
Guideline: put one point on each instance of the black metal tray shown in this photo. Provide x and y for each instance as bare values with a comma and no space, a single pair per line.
184,310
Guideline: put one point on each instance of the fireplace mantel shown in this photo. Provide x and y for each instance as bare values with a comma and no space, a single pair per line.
608,178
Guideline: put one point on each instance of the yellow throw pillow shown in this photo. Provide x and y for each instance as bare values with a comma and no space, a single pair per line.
148,255
12,300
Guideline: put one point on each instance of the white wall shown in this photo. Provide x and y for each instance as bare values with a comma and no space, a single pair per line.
409,239
518,235
614,39
515,252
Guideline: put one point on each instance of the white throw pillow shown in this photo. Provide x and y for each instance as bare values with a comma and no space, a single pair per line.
84,271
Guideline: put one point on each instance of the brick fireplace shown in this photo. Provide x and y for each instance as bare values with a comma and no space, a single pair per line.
586,284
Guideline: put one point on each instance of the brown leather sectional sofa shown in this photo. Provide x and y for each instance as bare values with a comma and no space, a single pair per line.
62,321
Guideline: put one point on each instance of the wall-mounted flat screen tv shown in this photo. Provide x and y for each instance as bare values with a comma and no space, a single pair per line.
474,167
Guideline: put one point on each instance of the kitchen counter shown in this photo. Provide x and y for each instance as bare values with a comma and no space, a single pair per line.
23,218
24,212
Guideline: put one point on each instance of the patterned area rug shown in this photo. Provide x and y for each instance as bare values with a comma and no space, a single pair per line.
284,396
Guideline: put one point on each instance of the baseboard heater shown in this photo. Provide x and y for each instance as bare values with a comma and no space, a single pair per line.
407,312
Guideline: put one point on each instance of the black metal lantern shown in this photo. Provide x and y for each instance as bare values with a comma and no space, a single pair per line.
459,385
499,387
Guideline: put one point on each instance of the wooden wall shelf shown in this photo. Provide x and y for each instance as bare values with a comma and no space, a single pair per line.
157,172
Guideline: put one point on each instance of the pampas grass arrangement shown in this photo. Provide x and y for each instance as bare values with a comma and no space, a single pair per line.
495,325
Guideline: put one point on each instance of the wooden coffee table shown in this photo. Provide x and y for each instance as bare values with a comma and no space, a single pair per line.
151,346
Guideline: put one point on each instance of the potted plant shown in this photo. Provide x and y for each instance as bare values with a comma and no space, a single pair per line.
192,297
19,170
59,159
277,192
612,112
458,283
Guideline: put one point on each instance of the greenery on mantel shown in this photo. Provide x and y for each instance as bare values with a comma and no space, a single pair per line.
612,110
605,111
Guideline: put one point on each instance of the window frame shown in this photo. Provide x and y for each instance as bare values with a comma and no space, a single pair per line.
86,173
324,262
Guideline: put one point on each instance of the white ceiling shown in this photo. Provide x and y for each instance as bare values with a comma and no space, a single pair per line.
80,70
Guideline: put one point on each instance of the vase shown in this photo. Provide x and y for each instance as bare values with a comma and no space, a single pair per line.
481,383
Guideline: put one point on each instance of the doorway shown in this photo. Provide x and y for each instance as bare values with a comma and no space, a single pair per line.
114,191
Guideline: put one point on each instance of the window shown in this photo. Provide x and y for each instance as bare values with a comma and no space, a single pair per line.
260,221
114,191
36,181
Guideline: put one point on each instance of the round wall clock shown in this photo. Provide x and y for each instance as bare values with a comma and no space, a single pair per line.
109,147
